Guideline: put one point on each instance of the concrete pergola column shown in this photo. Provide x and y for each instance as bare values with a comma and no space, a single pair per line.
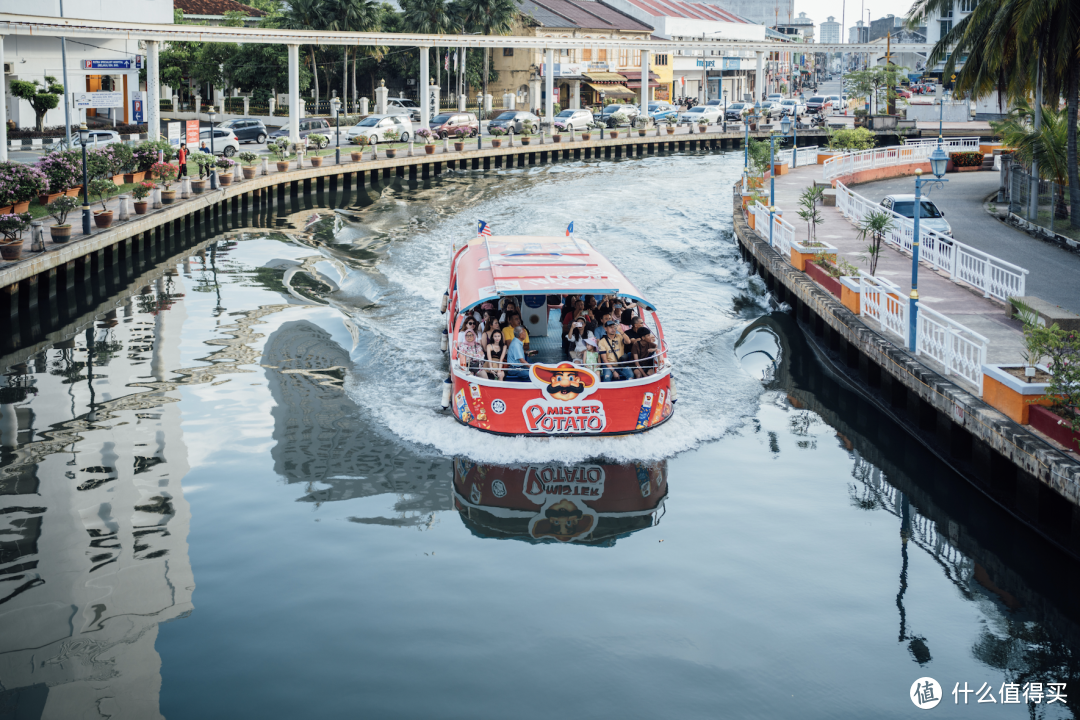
424,82
153,92
294,93
3,108
549,84
575,94
645,83
759,78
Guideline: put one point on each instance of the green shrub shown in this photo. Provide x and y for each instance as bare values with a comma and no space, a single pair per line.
966,159
851,139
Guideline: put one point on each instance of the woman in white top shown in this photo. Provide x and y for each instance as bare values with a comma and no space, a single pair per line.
576,338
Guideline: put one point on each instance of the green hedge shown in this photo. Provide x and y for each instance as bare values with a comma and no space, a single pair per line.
966,159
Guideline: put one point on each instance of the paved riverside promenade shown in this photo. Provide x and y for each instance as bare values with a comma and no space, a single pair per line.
956,300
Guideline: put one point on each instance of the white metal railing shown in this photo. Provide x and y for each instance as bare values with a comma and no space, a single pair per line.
907,153
783,232
806,156
961,350
966,143
881,300
994,276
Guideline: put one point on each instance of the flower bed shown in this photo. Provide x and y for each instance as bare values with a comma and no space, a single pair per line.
823,278
966,159
20,183
1053,425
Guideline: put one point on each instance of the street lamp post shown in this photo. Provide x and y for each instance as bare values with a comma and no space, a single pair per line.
785,128
84,137
725,110
213,175
746,142
335,108
938,162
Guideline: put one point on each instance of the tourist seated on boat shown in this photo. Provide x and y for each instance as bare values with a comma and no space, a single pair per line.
493,328
568,307
469,325
511,330
517,364
600,330
630,311
495,351
576,341
643,353
614,352
470,354
509,308
591,358
637,328
590,303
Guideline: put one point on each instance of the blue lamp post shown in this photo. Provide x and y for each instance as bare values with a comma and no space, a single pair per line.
725,110
746,142
938,161
213,175
785,128
84,137
335,108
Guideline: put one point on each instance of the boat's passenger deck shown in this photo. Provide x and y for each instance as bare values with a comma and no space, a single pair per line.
549,347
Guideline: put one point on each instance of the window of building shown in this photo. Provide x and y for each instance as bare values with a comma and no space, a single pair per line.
637,58
946,28
624,57
660,60
586,54
602,55
968,5
508,52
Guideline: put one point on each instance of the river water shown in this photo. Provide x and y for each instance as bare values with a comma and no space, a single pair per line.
236,496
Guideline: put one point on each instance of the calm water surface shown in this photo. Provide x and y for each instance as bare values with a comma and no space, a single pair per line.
236,496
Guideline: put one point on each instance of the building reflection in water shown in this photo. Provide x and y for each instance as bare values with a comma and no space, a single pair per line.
587,504
93,520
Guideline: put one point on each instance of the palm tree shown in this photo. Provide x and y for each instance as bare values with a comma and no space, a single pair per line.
351,16
308,15
874,226
1045,147
430,17
489,17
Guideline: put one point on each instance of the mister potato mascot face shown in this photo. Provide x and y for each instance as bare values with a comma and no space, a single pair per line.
565,381
563,520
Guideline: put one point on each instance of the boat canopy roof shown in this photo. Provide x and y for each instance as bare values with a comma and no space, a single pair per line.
494,267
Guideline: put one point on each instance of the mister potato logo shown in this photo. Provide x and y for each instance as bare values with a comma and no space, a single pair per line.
564,407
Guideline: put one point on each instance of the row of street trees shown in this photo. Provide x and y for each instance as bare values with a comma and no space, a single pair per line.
1030,51
263,69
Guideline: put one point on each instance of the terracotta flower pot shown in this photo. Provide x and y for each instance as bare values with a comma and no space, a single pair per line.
670,130
282,165
225,178
586,136
60,233
48,198
103,218
134,177
459,146
390,153
73,192
496,143
249,172
198,186
429,149
316,161
168,197
556,138
525,139
358,156
140,207
11,251
641,132
20,207
614,134
118,179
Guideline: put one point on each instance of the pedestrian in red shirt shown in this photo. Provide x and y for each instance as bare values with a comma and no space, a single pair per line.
181,158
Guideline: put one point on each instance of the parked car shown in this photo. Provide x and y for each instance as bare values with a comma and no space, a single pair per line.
577,119
445,123
774,97
931,217
97,137
403,106
792,106
663,111
708,113
607,116
819,104
308,126
375,128
734,111
225,142
513,120
902,92
769,109
246,129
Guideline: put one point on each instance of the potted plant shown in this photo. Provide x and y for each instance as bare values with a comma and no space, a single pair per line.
318,141
428,137
146,153
558,127
11,227
140,192
204,161
100,189
619,119
279,150
748,114
62,172
860,117
390,136
249,160
121,162
19,184
641,124
165,173
496,136
360,141
59,209
225,170
587,134
702,126
459,135
527,130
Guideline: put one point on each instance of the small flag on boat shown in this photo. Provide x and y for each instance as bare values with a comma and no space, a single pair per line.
483,229
570,229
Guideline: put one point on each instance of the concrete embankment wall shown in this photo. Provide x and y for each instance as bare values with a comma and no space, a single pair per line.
1013,466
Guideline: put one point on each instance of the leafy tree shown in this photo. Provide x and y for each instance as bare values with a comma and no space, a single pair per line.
1043,150
489,17
42,97
875,226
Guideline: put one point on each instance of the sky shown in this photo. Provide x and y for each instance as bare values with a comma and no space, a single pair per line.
820,10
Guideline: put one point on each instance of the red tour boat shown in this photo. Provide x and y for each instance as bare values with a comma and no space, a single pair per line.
552,394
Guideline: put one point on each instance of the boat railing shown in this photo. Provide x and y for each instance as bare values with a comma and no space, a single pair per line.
658,361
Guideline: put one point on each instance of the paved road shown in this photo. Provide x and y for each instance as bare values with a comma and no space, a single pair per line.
1054,273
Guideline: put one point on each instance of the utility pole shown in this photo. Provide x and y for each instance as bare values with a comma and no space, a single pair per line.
67,93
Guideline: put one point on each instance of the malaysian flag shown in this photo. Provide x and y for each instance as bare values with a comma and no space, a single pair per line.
483,229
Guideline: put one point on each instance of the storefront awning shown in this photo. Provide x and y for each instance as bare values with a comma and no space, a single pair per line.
613,91
636,84
603,77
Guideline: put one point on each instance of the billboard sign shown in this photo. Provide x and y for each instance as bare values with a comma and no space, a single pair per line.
135,63
91,100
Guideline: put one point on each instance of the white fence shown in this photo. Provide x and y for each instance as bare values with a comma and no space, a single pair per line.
783,232
995,277
806,156
959,349
915,152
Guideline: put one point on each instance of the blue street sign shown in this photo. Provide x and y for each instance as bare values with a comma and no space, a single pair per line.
128,64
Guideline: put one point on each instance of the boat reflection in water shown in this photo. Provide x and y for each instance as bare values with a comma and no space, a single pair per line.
585,504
